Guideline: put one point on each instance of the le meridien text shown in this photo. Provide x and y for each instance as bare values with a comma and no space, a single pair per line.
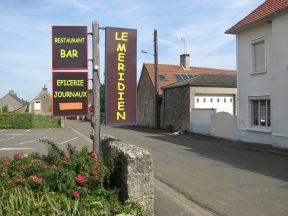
121,53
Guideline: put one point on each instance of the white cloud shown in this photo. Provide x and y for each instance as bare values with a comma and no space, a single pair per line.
25,33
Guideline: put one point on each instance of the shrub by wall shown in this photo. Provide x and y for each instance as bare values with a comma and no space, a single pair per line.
16,120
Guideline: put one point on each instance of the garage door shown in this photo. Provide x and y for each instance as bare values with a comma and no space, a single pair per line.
222,103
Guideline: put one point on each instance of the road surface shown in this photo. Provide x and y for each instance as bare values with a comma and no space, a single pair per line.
225,180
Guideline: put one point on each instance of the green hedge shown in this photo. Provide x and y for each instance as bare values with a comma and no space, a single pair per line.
16,120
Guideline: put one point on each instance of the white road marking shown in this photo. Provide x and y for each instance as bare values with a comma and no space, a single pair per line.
11,149
82,135
22,143
27,130
14,134
2,130
67,141
28,134
7,138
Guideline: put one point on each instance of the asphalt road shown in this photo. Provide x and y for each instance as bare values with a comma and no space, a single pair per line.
226,180
27,140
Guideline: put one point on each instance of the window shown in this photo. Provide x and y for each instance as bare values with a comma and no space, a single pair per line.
204,100
218,100
211,100
231,100
161,77
261,113
197,100
258,55
37,105
224,100
145,108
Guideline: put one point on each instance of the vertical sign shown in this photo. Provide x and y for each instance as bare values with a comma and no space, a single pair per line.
70,93
121,48
69,48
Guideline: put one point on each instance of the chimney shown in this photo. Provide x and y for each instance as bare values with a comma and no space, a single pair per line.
44,88
185,60
12,92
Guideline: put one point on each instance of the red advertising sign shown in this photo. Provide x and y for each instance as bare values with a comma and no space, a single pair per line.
70,93
121,48
69,48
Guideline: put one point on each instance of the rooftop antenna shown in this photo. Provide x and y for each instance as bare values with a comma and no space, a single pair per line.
184,43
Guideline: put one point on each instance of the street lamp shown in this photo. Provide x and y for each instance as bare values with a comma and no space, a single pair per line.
155,74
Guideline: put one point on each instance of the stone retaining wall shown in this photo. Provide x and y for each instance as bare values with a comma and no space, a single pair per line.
134,175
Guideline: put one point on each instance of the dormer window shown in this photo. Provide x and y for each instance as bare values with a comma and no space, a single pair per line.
161,77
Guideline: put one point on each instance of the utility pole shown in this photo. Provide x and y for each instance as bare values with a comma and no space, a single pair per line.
156,76
96,88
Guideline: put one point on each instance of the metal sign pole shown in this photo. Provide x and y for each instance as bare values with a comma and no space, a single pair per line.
96,87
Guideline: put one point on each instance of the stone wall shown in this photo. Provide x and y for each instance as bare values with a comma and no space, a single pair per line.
10,102
176,108
134,175
145,101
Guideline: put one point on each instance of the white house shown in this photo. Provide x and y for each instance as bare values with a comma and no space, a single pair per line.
262,65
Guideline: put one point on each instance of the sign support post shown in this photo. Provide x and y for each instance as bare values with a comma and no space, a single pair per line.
96,88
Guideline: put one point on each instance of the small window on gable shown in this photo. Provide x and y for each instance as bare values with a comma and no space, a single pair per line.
258,56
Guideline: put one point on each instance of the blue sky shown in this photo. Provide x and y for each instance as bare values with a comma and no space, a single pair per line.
25,33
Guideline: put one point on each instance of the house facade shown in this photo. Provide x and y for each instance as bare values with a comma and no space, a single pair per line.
13,103
202,92
262,61
42,103
167,74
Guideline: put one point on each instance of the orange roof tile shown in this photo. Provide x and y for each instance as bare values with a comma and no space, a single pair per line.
265,11
169,72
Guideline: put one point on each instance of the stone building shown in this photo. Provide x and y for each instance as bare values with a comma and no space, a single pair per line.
13,103
167,74
42,103
206,91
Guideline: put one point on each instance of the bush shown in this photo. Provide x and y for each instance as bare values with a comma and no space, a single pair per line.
59,183
16,120
45,122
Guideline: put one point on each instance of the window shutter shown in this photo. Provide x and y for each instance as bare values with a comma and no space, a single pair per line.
259,55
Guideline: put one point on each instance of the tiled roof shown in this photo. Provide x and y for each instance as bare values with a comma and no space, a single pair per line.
15,97
219,80
264,12
169,72
21,101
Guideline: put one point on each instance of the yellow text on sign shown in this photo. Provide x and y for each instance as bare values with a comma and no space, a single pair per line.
69,53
